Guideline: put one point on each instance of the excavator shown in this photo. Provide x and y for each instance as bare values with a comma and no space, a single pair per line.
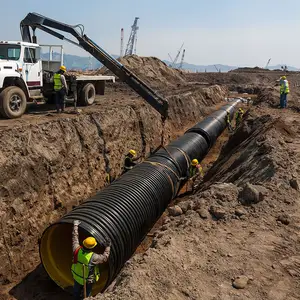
35,21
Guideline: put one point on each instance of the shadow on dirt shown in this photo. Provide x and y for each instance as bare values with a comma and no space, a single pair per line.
38,285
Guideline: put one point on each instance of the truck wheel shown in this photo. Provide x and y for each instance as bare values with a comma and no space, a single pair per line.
12,102
88,95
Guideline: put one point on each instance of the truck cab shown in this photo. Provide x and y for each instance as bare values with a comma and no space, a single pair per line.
20,73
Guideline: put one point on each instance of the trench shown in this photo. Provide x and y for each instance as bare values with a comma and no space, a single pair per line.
125,212
70,149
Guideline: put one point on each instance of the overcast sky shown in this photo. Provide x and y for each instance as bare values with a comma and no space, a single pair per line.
232,32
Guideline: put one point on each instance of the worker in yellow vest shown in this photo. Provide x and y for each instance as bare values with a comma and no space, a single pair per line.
239,117
60,88
85,267
130,161
284,91
195,170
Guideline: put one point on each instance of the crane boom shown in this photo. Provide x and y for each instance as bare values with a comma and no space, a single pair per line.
34,21
177,56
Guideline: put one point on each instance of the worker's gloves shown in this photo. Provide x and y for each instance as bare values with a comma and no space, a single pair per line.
107,242
76,223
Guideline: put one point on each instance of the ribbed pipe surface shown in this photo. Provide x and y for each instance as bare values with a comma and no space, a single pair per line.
130,206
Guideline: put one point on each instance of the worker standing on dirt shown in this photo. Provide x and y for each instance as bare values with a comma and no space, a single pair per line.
129,161
228,121
239,117
195,170
85,267
60,88
284,90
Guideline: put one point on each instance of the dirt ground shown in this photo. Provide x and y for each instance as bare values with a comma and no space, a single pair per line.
243,221
225,232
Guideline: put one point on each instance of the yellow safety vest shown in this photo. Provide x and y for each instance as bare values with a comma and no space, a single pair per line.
284,87
83,262
57,82
228,118
193,170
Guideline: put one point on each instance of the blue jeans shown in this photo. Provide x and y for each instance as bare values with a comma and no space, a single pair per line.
60,99
283,100
78,290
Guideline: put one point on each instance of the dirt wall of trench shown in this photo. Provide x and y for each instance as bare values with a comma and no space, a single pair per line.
46,169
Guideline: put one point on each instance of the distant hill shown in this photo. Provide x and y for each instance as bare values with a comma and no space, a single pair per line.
203,68
75,62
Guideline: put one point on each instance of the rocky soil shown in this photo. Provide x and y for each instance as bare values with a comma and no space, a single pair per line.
50,163
235,238
238,236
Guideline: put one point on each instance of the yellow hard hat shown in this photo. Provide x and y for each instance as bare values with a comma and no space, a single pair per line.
132,152
283,77
195,162
63,68
90,242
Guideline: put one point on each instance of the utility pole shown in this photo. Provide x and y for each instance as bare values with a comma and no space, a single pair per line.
132,38
182,59
122,42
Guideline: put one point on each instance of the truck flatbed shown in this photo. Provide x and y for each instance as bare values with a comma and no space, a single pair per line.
95,78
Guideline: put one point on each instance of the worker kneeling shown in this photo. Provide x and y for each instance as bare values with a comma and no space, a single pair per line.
195,170
85,267
129,161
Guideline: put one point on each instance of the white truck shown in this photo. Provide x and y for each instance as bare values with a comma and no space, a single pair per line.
26,77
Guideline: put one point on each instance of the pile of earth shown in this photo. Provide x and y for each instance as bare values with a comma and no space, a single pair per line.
150,69
237,237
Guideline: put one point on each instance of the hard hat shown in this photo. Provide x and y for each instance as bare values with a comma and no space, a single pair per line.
90,242
195,162
283,77
132,152
63,68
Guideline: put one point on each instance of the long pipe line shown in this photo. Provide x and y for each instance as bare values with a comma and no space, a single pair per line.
127,209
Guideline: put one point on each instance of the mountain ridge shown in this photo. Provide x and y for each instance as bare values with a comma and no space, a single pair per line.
75,62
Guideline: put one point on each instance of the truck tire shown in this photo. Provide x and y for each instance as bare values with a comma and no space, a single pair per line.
12,102
87,95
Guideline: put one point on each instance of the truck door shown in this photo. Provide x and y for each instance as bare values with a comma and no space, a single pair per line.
32,68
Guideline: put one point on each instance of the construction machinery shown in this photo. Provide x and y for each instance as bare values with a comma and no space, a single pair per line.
182,59
267,65
174,61
23,77
132,41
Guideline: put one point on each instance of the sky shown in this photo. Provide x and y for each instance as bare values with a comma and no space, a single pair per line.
231,32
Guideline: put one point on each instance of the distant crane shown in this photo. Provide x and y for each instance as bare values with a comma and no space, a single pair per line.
132,38
182,59
122,42
266,67
177,56
218,70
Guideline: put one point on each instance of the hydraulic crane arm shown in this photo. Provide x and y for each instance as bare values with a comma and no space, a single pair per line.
34,21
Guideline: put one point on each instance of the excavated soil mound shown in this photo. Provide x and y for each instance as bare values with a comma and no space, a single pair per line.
237,238
150,69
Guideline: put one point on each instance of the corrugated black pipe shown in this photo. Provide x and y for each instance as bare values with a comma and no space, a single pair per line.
130,206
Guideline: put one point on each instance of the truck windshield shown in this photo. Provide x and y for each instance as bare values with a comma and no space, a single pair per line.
10,51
